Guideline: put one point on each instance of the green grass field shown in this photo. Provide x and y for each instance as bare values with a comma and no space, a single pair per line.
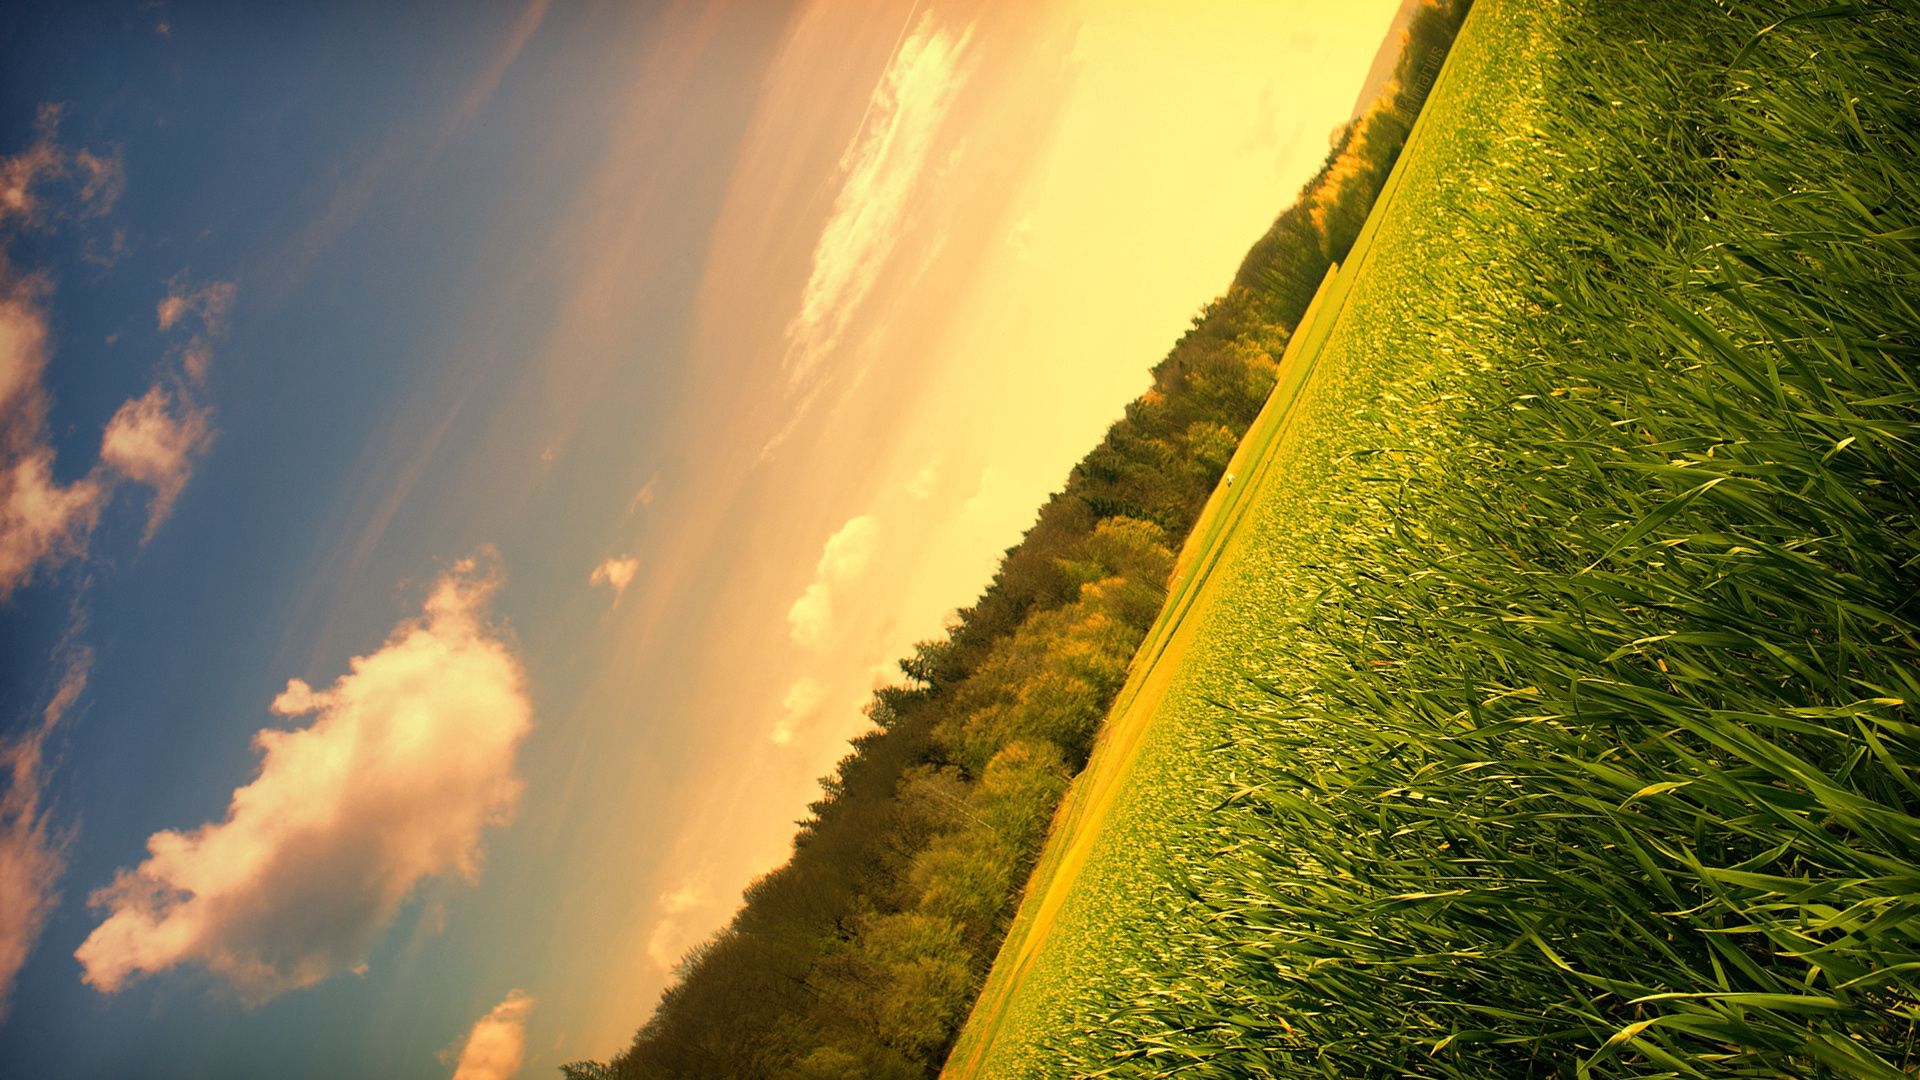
1540,700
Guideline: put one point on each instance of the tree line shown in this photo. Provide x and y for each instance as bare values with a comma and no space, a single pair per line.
861,956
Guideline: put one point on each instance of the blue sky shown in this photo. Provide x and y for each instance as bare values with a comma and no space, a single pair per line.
627,385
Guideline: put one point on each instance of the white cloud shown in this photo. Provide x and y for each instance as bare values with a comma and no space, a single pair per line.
32,851
689,895
615,573
153,440
673,933
811,616
408,760
882,167
496,1046
843,558
848,550
802,700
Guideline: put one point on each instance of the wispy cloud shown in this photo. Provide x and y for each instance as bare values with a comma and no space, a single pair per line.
1020,238
41,520
210,303
153,440
880,170
24,173
926,481
844,557
156,438
496,1046
615,573
32,850
644,497
48,181
409,757
481,89
403,152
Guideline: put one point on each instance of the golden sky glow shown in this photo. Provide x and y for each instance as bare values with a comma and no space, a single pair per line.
1005,254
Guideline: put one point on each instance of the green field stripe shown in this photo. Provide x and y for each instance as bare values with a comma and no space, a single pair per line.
1220,524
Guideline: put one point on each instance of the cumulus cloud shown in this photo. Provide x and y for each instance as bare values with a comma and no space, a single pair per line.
153,440
496,1046
802,700
844,558
615,573
848,551
810,616
32,850
409,757
880,168
673,933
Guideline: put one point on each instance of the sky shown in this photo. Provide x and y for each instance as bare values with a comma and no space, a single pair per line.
463,467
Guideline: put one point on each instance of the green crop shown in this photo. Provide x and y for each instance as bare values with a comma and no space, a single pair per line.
1562,720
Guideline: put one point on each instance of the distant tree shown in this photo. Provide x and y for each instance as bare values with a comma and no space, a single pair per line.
827,1063
1019,790
966,877
931,663
922,963
1211,444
